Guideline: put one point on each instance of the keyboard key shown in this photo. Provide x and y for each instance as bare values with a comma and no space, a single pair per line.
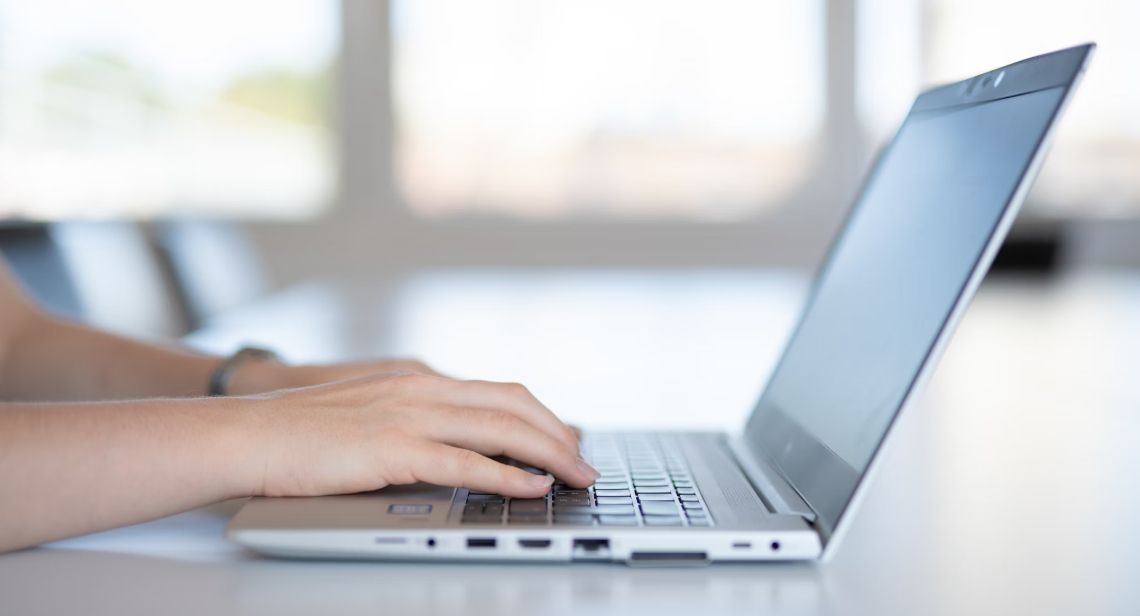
600,509
528,506
614,510
655,497
695,513
659,508
687,491
691,505
650,483
663,521
699,522
654,490
571,493
683,484
574,519
615,500
484,498
473,509
526,519
495,509
617,520
689,498
601,493
584,500
481,519
567,508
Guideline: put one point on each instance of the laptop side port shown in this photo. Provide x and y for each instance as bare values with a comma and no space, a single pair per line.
480,542
591,549
668,559
534,543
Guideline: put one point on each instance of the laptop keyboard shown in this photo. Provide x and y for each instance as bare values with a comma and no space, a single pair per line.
644,482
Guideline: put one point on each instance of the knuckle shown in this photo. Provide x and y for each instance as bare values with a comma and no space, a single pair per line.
517,389
405,382
502,420
467,463
402,475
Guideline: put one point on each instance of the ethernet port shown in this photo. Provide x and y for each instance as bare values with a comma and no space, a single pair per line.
591,549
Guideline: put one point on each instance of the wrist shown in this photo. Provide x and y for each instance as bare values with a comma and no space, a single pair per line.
258,376
250,438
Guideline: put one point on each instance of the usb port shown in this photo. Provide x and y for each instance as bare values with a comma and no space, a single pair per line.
480,542
534,543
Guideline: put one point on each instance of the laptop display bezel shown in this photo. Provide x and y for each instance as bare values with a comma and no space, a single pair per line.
830,486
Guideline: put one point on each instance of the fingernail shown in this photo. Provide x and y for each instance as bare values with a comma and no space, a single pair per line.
540,481
587,470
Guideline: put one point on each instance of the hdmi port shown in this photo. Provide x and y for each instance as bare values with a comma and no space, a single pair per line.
534,543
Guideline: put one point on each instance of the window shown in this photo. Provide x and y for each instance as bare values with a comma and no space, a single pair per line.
138,108
636,109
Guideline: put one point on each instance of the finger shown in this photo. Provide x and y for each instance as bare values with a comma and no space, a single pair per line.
514,399
496,433
462,468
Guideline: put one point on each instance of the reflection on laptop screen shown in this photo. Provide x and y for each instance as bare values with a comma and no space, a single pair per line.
890,283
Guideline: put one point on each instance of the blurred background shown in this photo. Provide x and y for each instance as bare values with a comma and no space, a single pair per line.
474,170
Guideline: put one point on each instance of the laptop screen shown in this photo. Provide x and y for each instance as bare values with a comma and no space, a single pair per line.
894,275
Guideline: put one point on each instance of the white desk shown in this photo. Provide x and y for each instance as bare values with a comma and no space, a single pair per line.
1012,490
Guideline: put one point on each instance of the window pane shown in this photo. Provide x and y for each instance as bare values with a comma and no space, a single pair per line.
888,66
143,107
614,108
1095,164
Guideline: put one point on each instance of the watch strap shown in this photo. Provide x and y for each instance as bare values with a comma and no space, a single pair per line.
223,374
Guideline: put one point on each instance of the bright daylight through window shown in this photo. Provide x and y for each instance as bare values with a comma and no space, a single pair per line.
141,107
535,109
1093,170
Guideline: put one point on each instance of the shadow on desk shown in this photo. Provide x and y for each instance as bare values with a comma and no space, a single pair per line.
74,581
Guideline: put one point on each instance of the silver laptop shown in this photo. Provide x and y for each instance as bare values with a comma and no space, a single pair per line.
929,220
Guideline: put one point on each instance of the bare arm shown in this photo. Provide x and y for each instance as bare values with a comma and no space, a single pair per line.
72,468
42,359
45,359
68,470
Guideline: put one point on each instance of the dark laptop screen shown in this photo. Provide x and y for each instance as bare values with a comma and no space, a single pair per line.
890,283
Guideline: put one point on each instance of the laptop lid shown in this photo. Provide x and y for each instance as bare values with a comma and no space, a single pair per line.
906,264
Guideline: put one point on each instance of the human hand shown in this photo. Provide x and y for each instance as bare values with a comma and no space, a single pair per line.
254,377
370,432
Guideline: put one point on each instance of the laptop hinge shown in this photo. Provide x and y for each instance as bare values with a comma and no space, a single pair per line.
769,483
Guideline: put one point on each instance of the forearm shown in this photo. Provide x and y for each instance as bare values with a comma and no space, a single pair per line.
52,360
67,470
